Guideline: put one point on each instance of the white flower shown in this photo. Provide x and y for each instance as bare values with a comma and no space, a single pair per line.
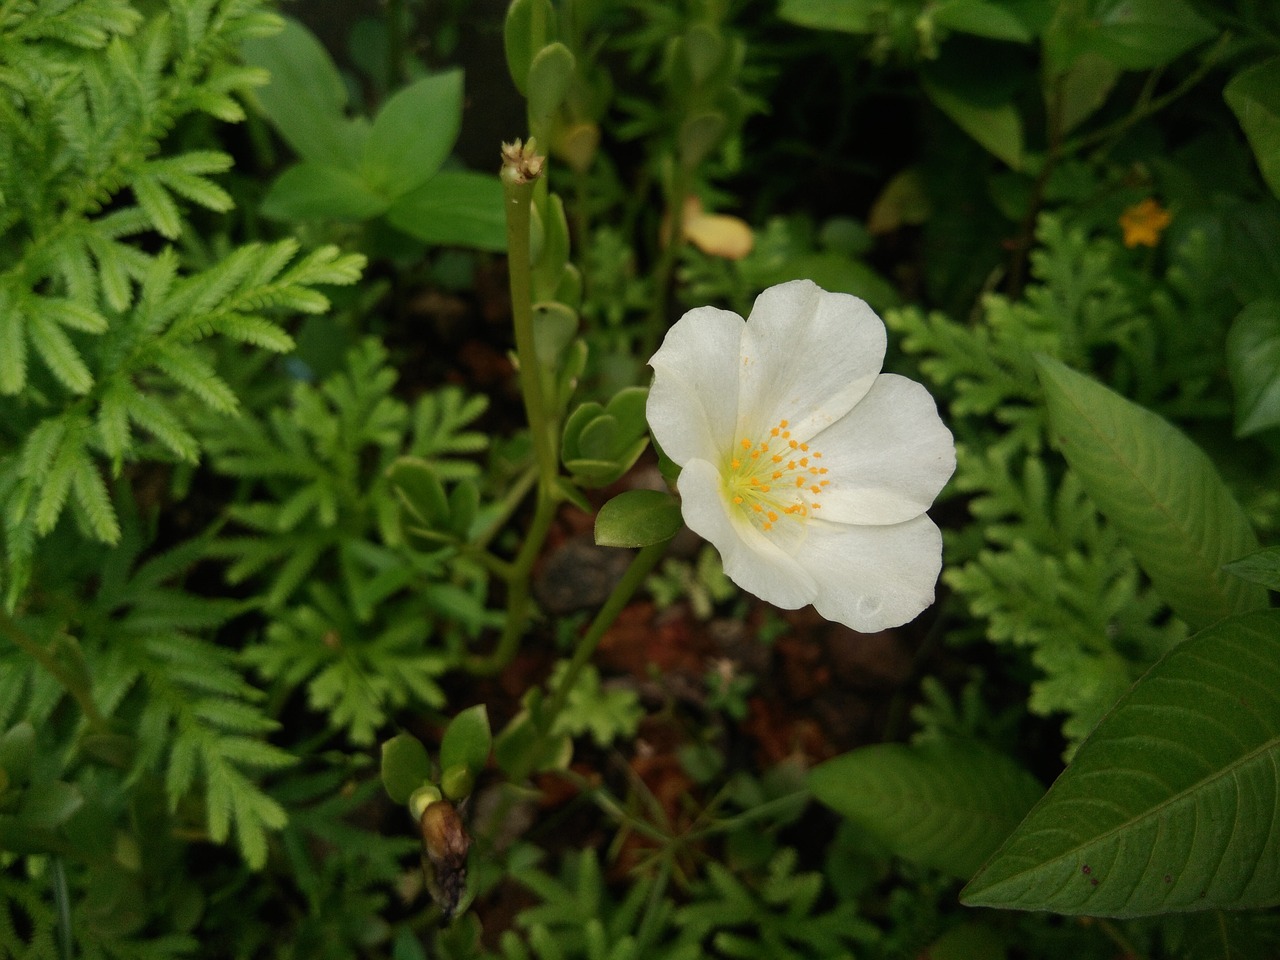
807,468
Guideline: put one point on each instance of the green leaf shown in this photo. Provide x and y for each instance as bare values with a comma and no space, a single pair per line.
997,21
413,134
638,518
466,741
1171,803
1160,492
1254,97
549,78
306,98
525,32
316,191
1084,88
454,208
18,751
1143,34
1262,567
849,16
998,127
1253,362
945,804
405,766
420,492
48,805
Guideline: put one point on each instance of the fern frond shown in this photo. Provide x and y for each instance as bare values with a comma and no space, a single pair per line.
59,355
157,419
196,376
91,493
255,331
13,358
55,485
159,207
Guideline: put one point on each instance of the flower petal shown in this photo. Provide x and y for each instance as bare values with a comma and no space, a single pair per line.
888,457
807,357
873,578
692,407
750,559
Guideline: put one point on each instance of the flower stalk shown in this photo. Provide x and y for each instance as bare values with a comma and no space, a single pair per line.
522,167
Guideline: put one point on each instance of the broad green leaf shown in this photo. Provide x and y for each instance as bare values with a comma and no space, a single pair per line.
849,16
467,740
996,126
638,518
1143,34
1254,97
413,134
1253,363
945,805
1262,567
454,208
306,98
314,191
405,766
1172,802
1159,490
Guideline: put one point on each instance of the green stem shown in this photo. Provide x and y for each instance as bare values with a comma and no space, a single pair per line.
41,655
518,197
515,494
518,185
641,565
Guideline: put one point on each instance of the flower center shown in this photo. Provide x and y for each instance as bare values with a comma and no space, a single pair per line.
775,479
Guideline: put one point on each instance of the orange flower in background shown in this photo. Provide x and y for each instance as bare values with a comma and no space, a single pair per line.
1143,223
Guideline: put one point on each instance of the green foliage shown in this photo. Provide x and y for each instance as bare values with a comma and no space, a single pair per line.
1041,569
320,464
1252,95
779,919
638,518
1160,492
604,713
105,328
942,804
1170,803
405,766
356,169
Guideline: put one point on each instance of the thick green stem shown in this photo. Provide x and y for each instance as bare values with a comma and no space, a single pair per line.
519,193
520,172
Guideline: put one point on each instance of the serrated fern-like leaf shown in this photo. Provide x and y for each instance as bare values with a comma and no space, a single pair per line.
13,358
193,374
91,493
57,353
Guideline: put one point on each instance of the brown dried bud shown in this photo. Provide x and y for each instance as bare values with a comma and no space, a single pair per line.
445,844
